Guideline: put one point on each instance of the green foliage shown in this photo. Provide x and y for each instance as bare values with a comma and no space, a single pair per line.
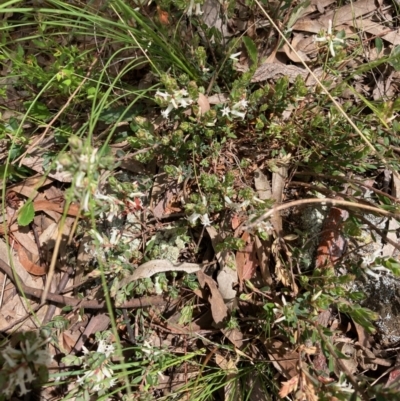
26,214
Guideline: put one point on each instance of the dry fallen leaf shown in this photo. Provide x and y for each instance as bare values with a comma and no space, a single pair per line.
284,360
232,387
227,277
212,17
218,308
236,221
68,342
29,266
262,185
203,103
246,260
163,16
289,386
235,336
332,244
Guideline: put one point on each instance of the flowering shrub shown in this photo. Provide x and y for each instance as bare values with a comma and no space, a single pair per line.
24,361
98,376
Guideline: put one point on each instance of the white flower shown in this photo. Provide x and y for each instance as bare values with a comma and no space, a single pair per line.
235,56
279,310
106,349
166,112
316,296
176,100
197,8
163,95
179,99
100,376
193,218
157,286
236,206
225,111
96,235
281,319
238,113
59,167
16,368
79,179
93,155
147,348
369,260
242,104
330,39
205,220
85,205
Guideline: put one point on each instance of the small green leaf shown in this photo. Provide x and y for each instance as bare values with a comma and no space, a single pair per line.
378,45
38,110
251,49
26,214
394,59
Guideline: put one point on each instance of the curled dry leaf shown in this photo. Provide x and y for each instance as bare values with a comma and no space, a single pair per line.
155,266
44,205
218,308
163,16
29,186
235,336
289,386
236,221
28,265
218,98
97,323
203,103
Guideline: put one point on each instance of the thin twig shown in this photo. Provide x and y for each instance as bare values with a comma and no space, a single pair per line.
60,299
333,202
63,282
345,180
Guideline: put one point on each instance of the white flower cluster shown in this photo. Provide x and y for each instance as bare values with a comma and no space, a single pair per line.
235,111
205,220
279,310
18,364
180,98
370,266
197,8
101,376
